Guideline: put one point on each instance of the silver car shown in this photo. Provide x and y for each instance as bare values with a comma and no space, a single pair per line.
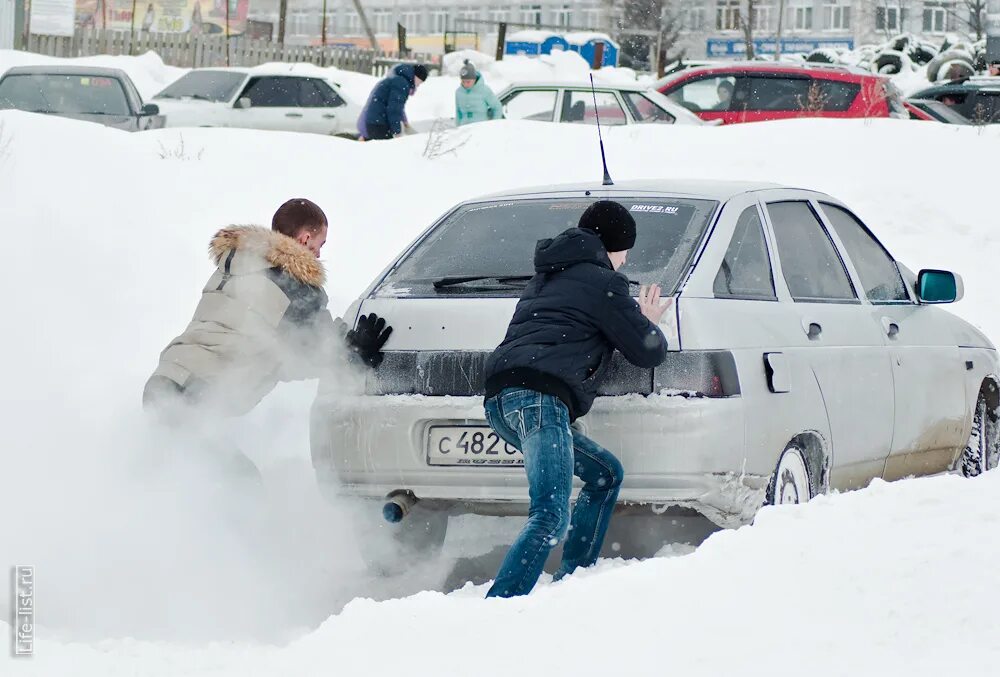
573,102
103,95
803,358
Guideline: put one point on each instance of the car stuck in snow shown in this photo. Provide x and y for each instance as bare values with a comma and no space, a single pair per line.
802,358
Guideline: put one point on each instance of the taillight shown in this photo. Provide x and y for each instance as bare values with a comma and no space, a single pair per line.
706,373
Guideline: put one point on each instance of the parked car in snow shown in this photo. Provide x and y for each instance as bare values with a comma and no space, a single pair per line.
574,102
803,358
273,96
758,91
977,99
929,109
103,95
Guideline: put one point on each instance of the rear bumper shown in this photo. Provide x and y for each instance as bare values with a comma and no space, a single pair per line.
677,452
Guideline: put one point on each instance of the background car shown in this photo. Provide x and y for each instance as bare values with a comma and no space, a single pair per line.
574,102
929,109
803,358
103,95
273,96
757,92
977,99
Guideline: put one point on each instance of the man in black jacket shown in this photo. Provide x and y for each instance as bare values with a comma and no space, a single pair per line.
572,316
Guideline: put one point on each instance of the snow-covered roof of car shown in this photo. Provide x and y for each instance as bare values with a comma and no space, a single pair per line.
703,188
273,68
93,71
578,84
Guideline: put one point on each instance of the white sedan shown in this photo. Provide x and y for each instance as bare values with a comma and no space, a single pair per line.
275,97
574,102
804,358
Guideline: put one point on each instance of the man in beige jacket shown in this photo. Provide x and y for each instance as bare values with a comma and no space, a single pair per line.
262,319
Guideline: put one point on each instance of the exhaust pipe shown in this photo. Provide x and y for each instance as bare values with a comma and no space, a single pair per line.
398,505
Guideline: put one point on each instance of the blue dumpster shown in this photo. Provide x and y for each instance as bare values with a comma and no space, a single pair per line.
586,43
534,43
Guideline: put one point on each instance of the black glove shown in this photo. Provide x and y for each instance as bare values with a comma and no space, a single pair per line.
368,339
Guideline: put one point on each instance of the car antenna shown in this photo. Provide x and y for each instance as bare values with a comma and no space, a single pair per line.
600,139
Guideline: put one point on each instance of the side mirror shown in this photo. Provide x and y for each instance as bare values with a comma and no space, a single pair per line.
939,286
150,109
242,103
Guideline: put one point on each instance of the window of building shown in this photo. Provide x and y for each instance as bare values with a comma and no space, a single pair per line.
889,18
693,19
937,16
383,21
352,24
562,16
531,15
439,21
800,16
837,15
499,15
413,22
760,18
591,17
727,15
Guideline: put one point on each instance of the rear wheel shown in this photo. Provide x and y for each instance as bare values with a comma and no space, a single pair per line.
790,483
982,451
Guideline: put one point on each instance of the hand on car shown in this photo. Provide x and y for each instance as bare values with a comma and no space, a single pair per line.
368,339
650,303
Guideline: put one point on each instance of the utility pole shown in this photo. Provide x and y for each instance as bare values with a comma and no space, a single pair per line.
781,23
364,23
282,13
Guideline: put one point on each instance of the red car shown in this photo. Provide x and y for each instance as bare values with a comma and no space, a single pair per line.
755,92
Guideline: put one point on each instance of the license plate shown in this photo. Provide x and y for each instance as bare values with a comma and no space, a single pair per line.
469,445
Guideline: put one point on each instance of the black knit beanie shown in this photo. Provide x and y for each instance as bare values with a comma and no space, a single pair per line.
420,71
612,223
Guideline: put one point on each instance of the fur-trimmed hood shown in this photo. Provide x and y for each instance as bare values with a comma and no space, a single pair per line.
274,247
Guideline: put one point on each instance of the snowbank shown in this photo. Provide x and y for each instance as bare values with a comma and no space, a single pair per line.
110,230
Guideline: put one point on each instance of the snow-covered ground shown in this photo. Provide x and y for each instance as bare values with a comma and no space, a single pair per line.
142,572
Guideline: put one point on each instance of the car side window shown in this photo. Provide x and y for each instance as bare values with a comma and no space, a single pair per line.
645,110
878,272
780,94
745,272
578,107
987,108
314,93
832,95
273,92
707,94
531,104
810,263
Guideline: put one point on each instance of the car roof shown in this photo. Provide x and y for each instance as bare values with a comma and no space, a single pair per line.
94,71
805,67
579,84
699,188
271,68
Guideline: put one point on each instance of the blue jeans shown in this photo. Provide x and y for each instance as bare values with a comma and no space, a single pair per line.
538,425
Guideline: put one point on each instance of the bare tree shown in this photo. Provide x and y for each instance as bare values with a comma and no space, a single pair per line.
647,26
781,24
972,15
747,21
364,24
885,6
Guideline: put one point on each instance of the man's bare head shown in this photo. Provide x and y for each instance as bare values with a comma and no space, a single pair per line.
303,221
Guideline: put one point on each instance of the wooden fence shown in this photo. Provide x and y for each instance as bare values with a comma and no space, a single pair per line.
197,51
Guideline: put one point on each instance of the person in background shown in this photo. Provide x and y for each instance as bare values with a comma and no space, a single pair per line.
474,100
576,311
384,114
725,93
995,68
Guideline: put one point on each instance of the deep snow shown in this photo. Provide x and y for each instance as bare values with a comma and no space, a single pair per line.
106,234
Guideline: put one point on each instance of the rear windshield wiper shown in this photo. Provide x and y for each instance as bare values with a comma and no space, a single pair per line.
463,279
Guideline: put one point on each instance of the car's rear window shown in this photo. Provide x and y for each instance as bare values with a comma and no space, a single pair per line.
496,241
204,85
64,94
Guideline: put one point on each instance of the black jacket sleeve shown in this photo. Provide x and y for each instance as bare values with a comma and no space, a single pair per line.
639,340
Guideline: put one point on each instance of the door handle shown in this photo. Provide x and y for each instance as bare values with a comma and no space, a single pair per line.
329,116
812,329
293,115
890,327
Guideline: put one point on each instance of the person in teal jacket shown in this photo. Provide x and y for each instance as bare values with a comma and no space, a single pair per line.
474,100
